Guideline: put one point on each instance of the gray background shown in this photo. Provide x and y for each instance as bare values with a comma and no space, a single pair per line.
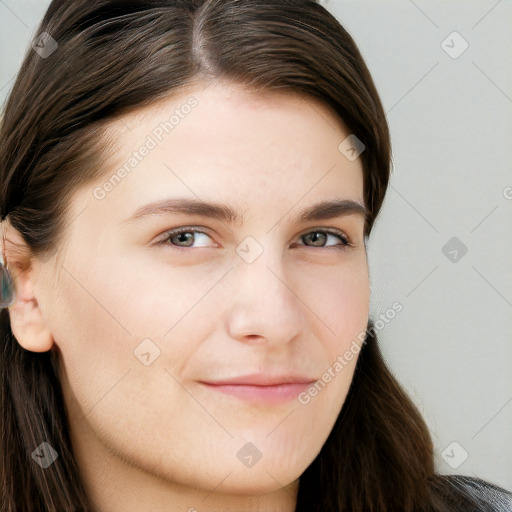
451,127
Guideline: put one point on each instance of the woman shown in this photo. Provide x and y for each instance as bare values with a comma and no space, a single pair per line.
188,187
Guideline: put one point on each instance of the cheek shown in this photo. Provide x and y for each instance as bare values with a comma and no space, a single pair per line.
93,347
90,313
341,307
344,306
118,316
153,299
339,297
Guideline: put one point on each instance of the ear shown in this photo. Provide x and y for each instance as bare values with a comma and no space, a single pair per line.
27,322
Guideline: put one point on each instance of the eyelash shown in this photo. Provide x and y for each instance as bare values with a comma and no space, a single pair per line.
345,242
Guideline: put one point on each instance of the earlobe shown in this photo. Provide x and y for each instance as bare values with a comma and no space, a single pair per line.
27,323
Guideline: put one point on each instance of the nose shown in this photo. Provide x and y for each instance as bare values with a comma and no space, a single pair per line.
263,306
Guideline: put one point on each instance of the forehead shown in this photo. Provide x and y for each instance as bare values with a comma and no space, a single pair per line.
225,143
236,117
220,94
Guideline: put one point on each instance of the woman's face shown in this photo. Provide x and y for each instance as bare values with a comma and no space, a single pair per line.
144,319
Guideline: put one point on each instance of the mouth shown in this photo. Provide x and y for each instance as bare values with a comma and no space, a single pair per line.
261,389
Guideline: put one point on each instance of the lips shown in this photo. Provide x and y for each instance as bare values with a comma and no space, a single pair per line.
261,379
262,389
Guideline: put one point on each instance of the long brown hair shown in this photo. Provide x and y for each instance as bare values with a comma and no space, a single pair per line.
116,56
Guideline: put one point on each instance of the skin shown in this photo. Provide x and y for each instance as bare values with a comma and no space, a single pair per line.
152,437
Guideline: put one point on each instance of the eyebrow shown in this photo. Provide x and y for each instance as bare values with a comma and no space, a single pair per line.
222,212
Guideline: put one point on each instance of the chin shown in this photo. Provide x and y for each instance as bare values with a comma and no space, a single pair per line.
253,483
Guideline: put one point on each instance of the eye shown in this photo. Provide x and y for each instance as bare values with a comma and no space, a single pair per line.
183,237
186,237
319,238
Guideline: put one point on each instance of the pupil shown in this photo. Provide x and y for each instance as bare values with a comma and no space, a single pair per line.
184,237
316,236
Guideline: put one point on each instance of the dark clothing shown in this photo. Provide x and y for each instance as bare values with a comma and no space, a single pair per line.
486,496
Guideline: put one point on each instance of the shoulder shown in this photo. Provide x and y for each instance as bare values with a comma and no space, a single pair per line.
486,496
